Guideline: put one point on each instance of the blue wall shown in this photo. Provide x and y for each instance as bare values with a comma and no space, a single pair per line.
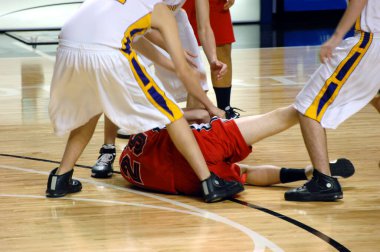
314,5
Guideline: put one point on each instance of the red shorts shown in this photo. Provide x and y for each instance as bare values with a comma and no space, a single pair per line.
152,161
220,21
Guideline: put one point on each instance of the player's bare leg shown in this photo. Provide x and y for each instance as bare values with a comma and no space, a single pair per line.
222,86
214,188
60,182
376,103
110,130
316,143
266,175
256,128
322,187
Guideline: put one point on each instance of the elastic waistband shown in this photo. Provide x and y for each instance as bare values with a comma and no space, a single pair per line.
84,46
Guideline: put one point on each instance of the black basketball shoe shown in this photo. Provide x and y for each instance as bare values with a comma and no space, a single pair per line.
60,185
342,167
320,188
231,112
216,189
103,167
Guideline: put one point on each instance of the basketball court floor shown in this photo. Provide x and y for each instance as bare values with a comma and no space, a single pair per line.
112,215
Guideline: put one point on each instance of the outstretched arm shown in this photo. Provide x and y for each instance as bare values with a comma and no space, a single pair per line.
143,46
348,19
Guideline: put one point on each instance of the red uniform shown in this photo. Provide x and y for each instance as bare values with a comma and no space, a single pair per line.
220,21
150,160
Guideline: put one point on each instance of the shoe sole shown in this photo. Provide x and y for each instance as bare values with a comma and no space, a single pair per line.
55,195
123,136
342,167
101,174
315,197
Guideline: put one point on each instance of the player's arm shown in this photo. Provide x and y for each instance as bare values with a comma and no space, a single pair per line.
348,19
146,48
228,4
207,38
155,37
164,21
196,115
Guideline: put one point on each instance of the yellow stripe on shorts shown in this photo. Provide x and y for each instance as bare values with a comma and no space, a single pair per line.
332,86
358,24
150,88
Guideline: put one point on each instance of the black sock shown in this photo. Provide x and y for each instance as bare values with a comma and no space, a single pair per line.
288,175
223,96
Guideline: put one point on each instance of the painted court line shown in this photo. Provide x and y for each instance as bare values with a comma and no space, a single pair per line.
261,243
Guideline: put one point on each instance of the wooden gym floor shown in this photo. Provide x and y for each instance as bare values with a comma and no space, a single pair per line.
110,215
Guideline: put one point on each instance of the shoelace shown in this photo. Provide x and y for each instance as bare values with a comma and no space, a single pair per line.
232,113
104,159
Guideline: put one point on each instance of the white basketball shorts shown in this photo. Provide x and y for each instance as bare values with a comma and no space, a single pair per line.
341,87
91,79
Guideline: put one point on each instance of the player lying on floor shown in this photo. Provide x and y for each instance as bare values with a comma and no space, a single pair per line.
151,161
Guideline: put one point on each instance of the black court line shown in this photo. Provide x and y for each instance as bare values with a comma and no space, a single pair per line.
305,227
46,160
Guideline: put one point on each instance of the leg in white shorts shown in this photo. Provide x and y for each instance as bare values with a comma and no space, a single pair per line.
340,88
91,79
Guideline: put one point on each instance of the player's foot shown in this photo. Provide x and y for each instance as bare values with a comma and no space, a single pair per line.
103,167
231,112
122,134
342,167
60,185
216,189
320,188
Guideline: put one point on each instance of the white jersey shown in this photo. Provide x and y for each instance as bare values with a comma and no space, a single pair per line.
369,20
174,5
110,23
350,79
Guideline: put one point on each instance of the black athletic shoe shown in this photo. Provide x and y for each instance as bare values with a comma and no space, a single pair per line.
122,134
320,188
103,167
342,167
60,185
231,112
216,189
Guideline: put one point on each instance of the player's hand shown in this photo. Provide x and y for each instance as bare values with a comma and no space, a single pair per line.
190,58
228,4
328,47
218,69
214,111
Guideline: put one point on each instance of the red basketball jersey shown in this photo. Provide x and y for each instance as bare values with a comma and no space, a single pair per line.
150,160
